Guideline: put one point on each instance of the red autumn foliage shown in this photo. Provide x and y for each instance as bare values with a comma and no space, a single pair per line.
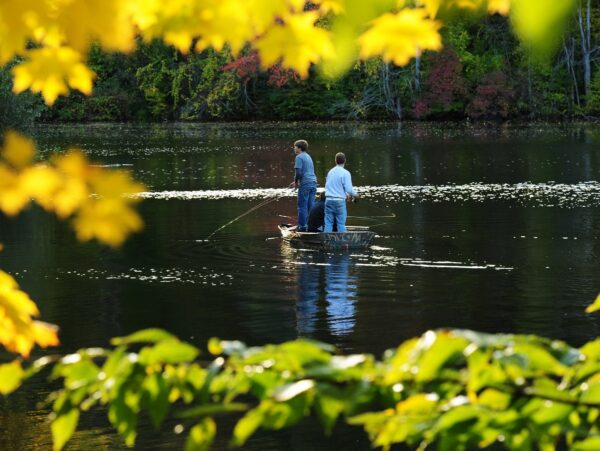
444,89
248,66
493,97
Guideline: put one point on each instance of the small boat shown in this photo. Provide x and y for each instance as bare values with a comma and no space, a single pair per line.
355,237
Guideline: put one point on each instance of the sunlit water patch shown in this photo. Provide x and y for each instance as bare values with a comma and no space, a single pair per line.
202,276
383,260
549,194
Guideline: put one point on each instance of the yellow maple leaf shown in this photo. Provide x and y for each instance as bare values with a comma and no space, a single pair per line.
594,306
108,22
108,220
115,184
45,334
12,197
52,71
399,37
175,21
431,6
18,21
19,332
296,43
263,13
499,7
73,163
18,150
107,216
230,21
333,6
41,183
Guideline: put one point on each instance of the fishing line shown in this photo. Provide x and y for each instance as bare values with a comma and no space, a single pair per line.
374,218
370,218
379,224
256,207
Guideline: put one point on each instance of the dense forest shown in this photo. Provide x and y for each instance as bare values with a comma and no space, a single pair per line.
484,72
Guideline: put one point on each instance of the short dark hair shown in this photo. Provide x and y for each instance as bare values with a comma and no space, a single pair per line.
340,158
302,145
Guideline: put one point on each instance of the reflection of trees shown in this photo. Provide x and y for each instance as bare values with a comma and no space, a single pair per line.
325,285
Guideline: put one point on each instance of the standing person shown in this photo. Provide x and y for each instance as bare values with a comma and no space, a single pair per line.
338,187
305,182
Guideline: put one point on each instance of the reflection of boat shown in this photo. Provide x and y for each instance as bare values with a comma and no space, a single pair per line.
355,237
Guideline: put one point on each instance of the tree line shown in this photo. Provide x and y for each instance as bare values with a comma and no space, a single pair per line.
484,72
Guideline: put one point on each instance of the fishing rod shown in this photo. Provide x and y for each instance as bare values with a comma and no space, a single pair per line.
256,207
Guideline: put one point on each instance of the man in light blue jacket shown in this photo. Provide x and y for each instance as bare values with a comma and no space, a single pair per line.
338,187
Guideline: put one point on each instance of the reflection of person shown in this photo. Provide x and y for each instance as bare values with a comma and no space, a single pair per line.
338,187
305,181
340,293
316,216
309,281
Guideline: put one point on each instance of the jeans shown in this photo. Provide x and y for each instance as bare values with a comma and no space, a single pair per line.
306,198
335,211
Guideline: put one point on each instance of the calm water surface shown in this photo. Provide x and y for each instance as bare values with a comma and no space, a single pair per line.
493,228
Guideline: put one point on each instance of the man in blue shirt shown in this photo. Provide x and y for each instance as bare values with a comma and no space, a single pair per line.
338,187
305,182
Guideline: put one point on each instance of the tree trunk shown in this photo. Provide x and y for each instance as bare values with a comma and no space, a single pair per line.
392,102
570,60
418,73
586,44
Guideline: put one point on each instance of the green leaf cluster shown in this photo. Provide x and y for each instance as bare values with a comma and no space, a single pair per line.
447,390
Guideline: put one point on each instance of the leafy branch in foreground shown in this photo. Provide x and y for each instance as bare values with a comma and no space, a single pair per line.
457,389
72,188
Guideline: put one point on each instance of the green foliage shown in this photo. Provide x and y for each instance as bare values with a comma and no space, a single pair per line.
451,389
593,97
313,99
17,111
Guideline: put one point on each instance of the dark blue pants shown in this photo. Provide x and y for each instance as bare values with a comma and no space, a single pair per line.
306,198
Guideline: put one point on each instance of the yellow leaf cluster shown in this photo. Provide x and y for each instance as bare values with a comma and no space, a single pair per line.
399,37
291,32
333,6
297,44
18,331
99,200
499,7
19,21
52,71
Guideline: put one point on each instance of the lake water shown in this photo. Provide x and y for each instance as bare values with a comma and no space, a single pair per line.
494,228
